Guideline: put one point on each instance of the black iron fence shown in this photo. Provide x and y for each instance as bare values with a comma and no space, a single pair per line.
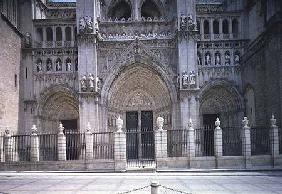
204,141
48,147
232,141
75,145
177,143
103,145
20,148
260,140
280,140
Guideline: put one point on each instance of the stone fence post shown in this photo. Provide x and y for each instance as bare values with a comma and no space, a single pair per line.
9,148
2,159
160,144
34,147
191,141
155,187
246,142
274,140
89,142
217,141
120,147
62,151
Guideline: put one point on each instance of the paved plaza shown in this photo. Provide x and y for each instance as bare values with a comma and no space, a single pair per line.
111,183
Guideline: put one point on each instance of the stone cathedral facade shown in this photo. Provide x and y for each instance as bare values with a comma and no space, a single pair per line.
90,61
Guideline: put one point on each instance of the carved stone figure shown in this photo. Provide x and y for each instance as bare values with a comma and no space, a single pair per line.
199,60
192,78
49,65
227,58
83,83
183,22
58,66
208,59
39,66
98,84
119,123
68,66
86,24
82,24
185,79
217,59
160,123
91,82
237,59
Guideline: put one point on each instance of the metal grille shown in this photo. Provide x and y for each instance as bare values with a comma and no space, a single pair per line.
48,147
20,150
232,141
260,141
204,140
177,143
75,145
103,145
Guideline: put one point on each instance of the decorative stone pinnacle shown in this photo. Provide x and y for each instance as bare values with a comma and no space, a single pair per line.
245,122
119,124
273,121
61,128
160,123
217,123
33,130
88,127
7,132
190,123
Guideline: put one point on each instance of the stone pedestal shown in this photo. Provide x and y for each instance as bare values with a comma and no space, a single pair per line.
34,147
62,151
191,141
89,145
246,143
120,151
274,140
161,148
8,147
2,159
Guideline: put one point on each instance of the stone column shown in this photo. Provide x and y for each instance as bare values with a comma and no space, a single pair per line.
246,142
274,140
155,187
8,147
34,147
160,144
120,147
191,140
89,142
217,142
62,151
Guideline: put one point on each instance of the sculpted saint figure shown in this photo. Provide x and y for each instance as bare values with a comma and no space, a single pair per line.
83,83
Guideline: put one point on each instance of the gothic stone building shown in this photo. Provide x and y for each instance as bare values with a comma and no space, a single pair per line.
90,61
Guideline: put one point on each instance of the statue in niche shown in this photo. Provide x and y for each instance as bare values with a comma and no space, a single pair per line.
58,65
98,84
68,66
39,66
91,82
192,78
217,59
237,59
86,24
208,59
83,83
199,59
227,58
183,22
185,79
82,24
49,65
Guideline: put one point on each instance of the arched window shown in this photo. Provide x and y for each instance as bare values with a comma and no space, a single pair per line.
150,9
39,34
250,105
227,58
208,58
215,27
58,64
68,64
120,10
68,33
49,65
49,34
217,58
225,27
206,27
58,34
199,27
235,26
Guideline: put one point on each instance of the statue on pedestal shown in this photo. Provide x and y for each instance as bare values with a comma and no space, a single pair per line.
83,83
192,78
91,82
185,79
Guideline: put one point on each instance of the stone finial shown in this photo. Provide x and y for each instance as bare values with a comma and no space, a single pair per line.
61,128
33,130
160,123
273,121
217,123
119,124
7,132
190,123
88,127
245,122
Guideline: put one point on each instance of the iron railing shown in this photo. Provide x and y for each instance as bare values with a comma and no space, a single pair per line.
204,140
20,150
48,147
260,140
232,141
280,140
177,143
103,145
75,145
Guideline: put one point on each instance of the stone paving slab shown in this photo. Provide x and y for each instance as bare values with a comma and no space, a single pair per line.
113,183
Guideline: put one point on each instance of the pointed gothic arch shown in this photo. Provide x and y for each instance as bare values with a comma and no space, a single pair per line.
150,9
120,9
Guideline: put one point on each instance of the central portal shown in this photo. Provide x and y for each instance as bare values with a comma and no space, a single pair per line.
140,137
